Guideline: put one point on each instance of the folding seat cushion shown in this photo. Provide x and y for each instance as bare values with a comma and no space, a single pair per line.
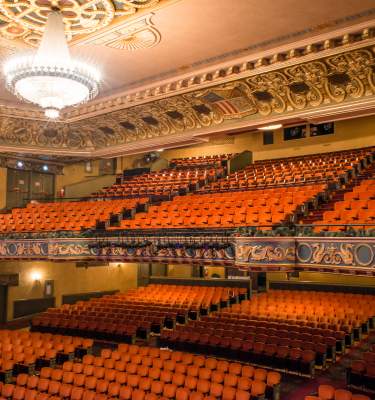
258,388
273,378
247,371
341,394
125,393
65,390
53,388
21,379
7,390
244,383
147,361
211,363
113,389
229,393
191,382
360,397
326,392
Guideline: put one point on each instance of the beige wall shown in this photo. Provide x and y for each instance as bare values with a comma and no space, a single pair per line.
355,133
67,279
76,173
180,270
3,187
325,278
209,271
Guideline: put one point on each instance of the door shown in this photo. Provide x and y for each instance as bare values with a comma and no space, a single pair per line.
3,304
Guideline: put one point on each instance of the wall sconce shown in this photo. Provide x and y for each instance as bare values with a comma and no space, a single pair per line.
36,276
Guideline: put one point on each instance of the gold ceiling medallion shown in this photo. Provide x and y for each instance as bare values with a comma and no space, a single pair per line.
25,20
135,35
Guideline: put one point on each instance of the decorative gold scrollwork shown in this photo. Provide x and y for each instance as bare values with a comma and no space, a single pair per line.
26,19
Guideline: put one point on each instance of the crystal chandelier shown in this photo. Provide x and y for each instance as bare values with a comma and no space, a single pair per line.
50,78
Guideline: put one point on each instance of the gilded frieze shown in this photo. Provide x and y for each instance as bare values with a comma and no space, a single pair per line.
337,79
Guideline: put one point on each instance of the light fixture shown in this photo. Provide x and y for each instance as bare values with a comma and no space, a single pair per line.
160,150
270,127
50,78
19,164
45,167
36,276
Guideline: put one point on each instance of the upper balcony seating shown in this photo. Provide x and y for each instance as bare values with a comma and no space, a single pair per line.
169,182
294,170
137,312
67,216
225,210
358,207
215,160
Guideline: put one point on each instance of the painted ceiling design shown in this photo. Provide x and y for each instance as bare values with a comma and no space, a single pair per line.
24,20
336,79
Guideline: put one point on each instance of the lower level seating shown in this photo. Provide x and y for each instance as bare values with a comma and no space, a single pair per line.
132,372
328,392
361,373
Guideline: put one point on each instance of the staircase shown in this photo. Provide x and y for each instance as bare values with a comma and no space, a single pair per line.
337,195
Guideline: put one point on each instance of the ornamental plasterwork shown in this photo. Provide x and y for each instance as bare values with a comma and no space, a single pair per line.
134,35
24,20
337,79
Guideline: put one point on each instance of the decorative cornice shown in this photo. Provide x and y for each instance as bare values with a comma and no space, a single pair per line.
307,88
306,50
336,255
319,46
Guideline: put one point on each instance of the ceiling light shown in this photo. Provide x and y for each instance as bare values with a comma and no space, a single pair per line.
19,164
45,167
270,127
50,78
160,150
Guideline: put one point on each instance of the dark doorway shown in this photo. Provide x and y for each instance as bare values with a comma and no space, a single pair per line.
3,304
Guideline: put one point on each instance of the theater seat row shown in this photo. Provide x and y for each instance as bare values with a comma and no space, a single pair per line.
328,392
361,373
295,170
67,216
358,207
227,210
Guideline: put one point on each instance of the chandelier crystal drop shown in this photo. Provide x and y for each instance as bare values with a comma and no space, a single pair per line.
50,78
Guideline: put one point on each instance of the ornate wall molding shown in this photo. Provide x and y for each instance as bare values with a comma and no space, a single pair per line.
319,46
324,254
342,81
188,250
354,256
260,252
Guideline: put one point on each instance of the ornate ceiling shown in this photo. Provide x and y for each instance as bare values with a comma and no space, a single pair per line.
24,20
327,67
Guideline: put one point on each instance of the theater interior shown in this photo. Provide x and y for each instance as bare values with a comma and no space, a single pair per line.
187,200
